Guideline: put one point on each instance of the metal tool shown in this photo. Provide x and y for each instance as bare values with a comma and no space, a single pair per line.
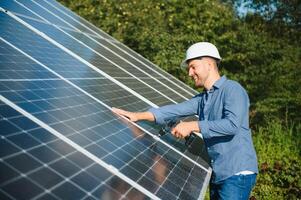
171,124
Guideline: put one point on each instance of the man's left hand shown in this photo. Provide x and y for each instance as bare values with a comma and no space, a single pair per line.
184,129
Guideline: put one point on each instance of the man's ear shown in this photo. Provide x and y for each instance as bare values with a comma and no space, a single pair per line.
212,63
209,65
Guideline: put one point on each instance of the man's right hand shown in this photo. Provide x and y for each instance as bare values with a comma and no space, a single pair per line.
134,116
130,115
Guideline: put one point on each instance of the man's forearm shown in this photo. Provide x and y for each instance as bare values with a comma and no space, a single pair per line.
135,116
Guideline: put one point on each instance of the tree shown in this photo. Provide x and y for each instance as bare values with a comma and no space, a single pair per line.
282,17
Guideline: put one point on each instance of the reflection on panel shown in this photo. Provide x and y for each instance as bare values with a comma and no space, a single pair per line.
41,12
72,18
171,81
148,69
42,50
157,69
17,9
100,56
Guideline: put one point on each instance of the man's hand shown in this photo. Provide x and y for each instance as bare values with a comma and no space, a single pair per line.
184,129
134,116
130,115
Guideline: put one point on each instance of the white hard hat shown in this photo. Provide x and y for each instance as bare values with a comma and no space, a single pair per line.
201,49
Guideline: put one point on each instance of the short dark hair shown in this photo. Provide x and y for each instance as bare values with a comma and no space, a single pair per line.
217,61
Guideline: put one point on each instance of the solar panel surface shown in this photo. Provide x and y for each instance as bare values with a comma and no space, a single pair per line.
73,99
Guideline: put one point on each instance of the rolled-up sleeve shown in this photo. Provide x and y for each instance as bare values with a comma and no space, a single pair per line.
236,106
165,113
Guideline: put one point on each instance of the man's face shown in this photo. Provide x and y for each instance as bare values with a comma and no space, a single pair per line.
198,69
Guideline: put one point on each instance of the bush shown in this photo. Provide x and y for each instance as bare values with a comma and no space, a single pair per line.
279,159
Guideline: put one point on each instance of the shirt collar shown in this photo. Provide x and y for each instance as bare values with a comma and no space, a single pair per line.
220,82
217,84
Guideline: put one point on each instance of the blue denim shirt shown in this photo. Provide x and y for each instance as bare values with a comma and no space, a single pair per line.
224,123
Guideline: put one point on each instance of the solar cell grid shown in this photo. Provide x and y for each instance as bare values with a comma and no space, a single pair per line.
42,50
45,52
150,67
35,166
17,66
128,58
111,94
145,91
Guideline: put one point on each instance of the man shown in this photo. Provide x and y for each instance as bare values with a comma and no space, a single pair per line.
223,110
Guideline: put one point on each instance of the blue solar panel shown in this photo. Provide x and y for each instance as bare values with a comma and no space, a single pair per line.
59,93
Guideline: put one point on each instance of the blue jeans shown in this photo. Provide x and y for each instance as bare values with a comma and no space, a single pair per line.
237,187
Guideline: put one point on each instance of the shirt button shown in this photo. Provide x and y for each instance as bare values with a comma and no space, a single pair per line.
212,161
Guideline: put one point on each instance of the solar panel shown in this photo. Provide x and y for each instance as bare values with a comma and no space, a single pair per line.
68,68
57,86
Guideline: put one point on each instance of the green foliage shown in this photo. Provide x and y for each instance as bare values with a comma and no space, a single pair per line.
263,54
283,17
279,158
